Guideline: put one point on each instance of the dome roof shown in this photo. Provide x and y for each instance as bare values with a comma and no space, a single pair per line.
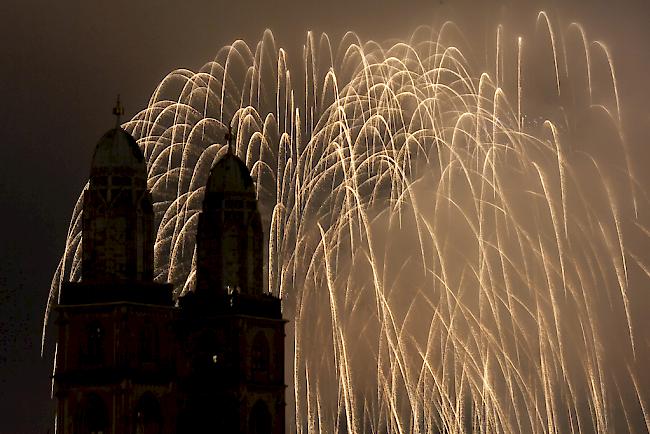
230,175
117,149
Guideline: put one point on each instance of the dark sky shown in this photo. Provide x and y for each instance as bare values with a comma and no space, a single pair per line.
64,62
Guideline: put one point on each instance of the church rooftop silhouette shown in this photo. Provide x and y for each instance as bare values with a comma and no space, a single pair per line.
132,359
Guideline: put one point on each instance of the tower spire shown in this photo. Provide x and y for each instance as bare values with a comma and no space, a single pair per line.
118,111
229,138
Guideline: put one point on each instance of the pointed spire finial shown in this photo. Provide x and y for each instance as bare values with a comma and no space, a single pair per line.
118,111
229,138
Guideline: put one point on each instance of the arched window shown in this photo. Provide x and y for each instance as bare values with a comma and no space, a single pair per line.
148,417
259,421
92,417
95,344
260,357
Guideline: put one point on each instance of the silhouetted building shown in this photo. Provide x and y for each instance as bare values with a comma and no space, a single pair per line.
132,360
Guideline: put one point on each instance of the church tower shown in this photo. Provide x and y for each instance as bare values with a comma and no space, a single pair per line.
115,361
131,360
231,330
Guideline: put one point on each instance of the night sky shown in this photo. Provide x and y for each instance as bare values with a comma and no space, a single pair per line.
64,62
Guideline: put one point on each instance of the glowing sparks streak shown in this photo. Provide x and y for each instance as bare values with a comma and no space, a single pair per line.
418,225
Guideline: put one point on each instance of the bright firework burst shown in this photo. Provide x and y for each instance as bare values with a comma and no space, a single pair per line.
452,256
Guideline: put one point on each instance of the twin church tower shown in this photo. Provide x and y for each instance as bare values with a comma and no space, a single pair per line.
130,358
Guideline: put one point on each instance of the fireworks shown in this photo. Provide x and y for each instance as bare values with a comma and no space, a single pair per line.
450,251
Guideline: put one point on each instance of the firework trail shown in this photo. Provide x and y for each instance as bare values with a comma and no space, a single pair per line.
452,254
